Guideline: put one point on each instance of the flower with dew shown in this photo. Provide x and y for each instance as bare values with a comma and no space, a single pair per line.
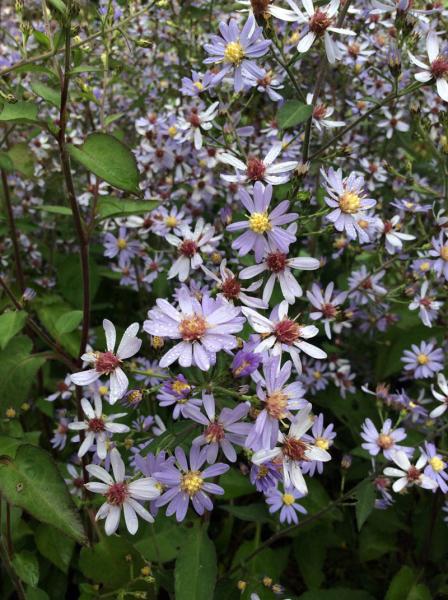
346,198
394,238
258,169
424,360
280,266
385,441
438,66
293,450
321,114
121,494
109,362
197,121
236,50
177,393
186,482
441,396
204,328
327,306
322,436
409,475
436,467
121,246
223,431
439,254
96,427
285,502
189,245
281,334
428,307
279,398
263,227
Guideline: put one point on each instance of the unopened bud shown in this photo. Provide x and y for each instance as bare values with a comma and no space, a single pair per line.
346,461
394,61
143,43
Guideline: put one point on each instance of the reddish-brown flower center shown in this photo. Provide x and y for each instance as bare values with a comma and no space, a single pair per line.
413,473
96,425
439,67
62,386
329,311
195,119
214,432
287,331
294,449
188,248
276,261
319,22
319,111
231,288
192,328
106,362
255,169
260,8
117,493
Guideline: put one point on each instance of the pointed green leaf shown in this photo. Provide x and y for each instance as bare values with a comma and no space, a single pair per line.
20,112
10,324
57,548
26,566
22,159
195,570
365,504
69,321
293,113
109,207
46,92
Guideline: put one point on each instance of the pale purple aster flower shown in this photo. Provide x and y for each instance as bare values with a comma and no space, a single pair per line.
246,361
382,485
342,376
285,502
321,114
409,475
236,51
441,397
323,438
121,494
424,360
269,84
316,376
75,482
121,246
109,362
198,120
204,329
263,228
258,169
166,221
394,238
150,464
177,394
385,441
364,287
97,426
280,268
346,198
265,476
327,307
154,374
197,84
293,450
439,253
185,481
436,467
59,438
428,307
281,334
279,399
437,68
221,432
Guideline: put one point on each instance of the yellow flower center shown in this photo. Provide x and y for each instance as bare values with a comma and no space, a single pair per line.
172,131
122,244
436,463
180,386
259,222
198,85
444,252
102,390
317,374
171,221
422,359
322,443
192,482
425,266
234,53
288,499
349,202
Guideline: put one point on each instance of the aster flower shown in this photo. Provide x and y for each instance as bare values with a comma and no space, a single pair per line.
258,169
385,441
346,197
439,252
109,362
424,360
265,476
436,467
197,84
186,482
121,246
285,502
246,361
316,376
393,236
64,390
428,308
204,329
441,397
221,432
59,438
236,51
393,123
322,436
268,84
280,266
121,494
189,245
96,426
75,482
364,287
327,307
262,227
279,399
437,68
196,121
293,450
281,334
177,393
409,475
321,114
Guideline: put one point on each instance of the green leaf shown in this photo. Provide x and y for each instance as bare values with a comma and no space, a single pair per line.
57,210
58,5
109,207
9,445
112,118
373,543
310,549
293,113
337,594
57,548
69,322
41,38
365,503
6,162
20,112
32,481
27,567
257,512
401,584
161,541
109,159
235,484
22,159
267,562
69,278
10,324
36,594
18,368
46,92
50,310
195,571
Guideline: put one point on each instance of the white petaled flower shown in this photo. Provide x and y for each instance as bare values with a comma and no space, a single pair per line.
321,114
441,396
409,475
121,494
393,123
189,245
197,120
96,427
427,305
393,236
294,450
437,68
109,362
281,334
